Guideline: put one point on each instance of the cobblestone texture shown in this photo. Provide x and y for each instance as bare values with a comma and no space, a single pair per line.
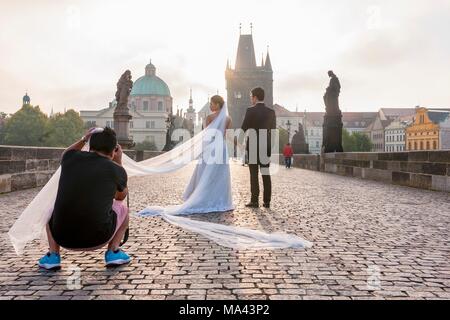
371,241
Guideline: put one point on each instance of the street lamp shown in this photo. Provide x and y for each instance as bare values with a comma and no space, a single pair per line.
288,125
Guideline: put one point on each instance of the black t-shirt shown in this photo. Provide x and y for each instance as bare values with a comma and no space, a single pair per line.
83,215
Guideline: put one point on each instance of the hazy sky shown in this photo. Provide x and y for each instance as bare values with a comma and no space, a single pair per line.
391,53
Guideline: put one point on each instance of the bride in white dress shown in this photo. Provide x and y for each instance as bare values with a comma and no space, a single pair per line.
209,190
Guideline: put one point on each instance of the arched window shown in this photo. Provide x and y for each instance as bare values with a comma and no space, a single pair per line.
434,145
415,145
421,145
428,145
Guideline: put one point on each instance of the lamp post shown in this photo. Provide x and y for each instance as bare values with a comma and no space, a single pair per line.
304,128
288,125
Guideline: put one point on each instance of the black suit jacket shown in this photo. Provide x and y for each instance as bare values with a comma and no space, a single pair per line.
260,117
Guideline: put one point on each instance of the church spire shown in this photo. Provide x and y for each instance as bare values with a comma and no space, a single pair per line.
268,64
191,102
190,114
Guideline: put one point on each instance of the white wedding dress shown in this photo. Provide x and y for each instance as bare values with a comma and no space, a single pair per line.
209,190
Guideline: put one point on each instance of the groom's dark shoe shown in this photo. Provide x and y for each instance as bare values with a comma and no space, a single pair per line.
267,205
252,205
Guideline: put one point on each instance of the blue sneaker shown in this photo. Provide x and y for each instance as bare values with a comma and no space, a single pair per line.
51,261
116,258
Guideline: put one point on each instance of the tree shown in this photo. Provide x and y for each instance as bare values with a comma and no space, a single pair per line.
355,142
146,145
64,129
348,142
362,142
26,127
3,120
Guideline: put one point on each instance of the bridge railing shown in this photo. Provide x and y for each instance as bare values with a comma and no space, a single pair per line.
419,169
29,167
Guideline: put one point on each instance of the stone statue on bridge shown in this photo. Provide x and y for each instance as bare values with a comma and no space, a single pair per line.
299,145
122,115
124,86
332,124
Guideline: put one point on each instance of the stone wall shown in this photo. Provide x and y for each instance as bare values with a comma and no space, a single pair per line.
422,169
29,167
304,161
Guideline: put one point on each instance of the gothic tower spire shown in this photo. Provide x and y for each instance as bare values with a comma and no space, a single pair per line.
245,76
268,64
246,53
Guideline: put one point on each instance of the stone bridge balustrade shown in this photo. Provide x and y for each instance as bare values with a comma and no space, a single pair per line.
29,167
420,169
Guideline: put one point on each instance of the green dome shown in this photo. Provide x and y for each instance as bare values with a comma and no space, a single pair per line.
150,85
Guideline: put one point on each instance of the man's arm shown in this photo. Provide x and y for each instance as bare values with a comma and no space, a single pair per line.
76,146
120,195
273,124
80,143
245,123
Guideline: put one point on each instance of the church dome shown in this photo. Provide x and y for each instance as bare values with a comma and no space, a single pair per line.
150,84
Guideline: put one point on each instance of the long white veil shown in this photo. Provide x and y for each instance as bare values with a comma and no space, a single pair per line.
205,146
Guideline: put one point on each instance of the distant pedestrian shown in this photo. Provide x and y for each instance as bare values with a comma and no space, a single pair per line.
288,154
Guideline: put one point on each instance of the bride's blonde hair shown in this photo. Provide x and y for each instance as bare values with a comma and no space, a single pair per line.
219,100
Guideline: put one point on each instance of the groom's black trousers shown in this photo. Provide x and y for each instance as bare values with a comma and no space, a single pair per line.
254,183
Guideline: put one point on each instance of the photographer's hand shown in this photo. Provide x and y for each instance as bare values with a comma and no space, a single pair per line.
88,134
118,155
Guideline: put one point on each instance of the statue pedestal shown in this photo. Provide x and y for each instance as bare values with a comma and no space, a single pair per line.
332,133
122,128
300,148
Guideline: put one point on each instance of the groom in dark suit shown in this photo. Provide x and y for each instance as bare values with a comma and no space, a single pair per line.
258,122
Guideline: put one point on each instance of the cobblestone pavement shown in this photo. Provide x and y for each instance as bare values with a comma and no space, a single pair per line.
371,241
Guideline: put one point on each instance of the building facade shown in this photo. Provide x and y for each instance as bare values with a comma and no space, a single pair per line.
429,131
395,136
376,130
314,131
312,123
288,120
357,121
150,102
244,77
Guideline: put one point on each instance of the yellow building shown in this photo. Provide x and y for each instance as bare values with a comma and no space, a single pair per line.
429,131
